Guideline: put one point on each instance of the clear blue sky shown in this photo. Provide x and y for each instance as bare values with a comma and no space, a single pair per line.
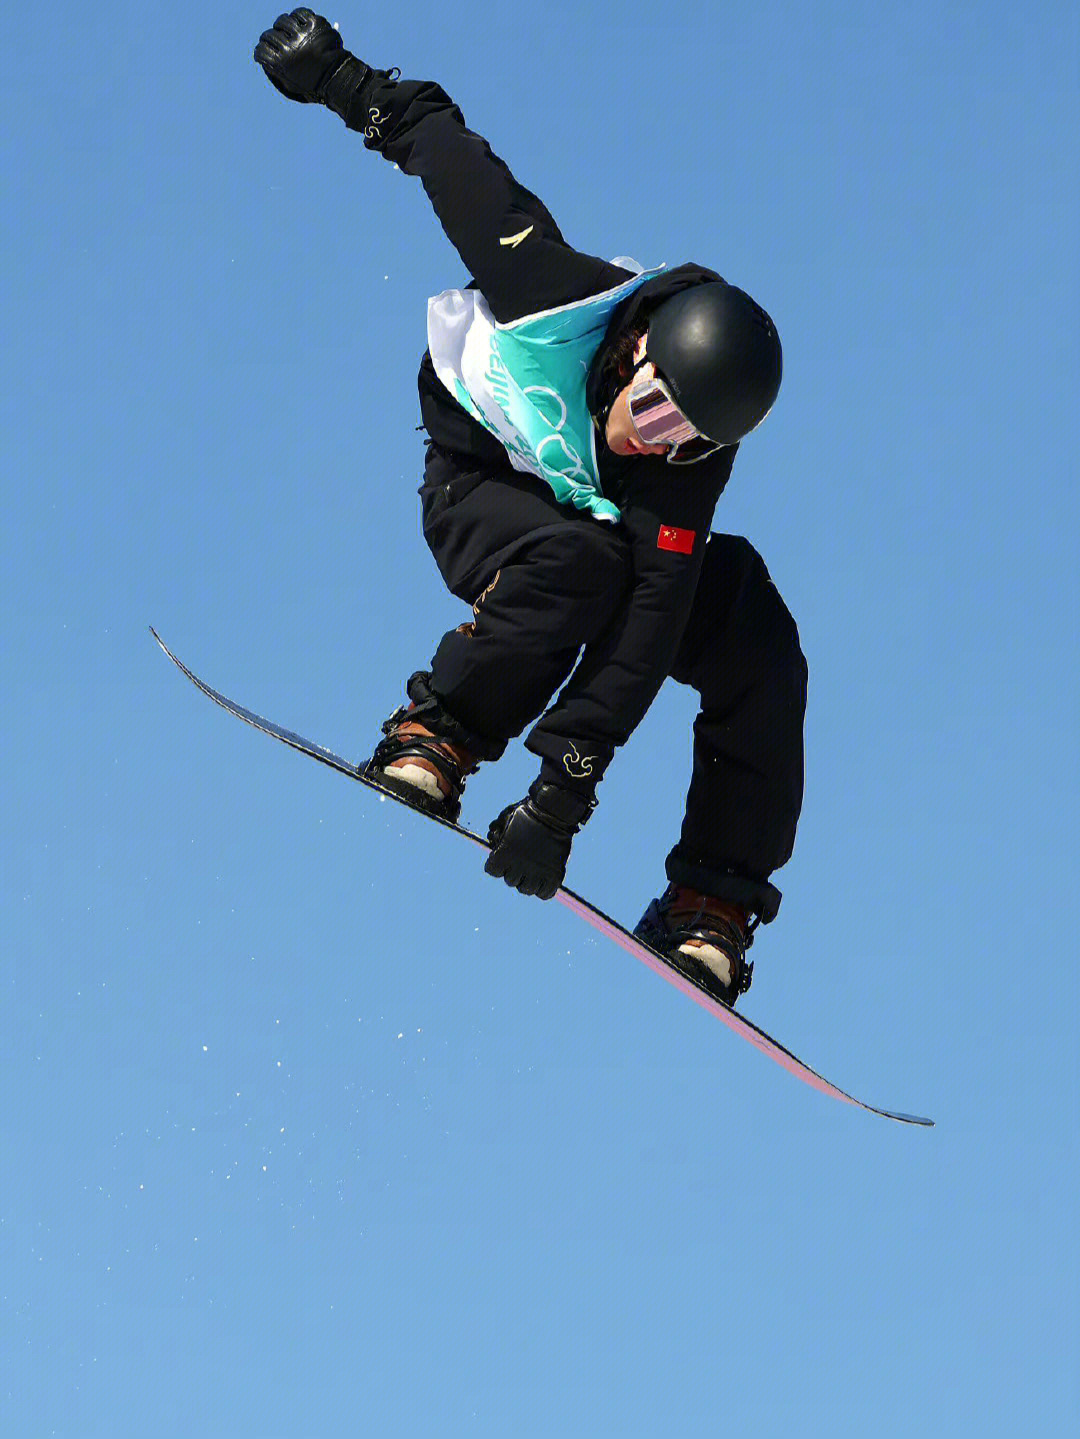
308,1127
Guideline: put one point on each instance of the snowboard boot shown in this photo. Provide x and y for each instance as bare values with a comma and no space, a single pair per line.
423,768
704,938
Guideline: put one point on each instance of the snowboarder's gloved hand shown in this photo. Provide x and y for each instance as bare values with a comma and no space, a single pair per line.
304,58
300,54
531,840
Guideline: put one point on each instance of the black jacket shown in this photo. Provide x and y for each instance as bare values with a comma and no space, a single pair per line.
479,203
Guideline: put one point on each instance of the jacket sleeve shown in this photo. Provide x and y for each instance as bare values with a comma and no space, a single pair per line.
666,524
506,237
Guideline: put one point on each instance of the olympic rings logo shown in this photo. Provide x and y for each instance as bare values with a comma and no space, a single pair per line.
574,467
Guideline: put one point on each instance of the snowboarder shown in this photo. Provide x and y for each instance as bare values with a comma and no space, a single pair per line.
582,418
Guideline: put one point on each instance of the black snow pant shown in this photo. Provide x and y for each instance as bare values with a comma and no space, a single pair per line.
545,580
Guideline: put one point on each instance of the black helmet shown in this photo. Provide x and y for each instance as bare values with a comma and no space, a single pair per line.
720,355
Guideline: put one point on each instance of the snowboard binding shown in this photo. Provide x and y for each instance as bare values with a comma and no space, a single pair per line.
709,926
425,756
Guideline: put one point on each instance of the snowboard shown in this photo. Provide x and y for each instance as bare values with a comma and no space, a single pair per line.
574,902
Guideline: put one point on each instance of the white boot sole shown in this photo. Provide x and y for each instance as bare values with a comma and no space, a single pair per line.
422,779
714,960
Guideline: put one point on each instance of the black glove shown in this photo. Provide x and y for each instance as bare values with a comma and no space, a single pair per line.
530,841
300,54
304,58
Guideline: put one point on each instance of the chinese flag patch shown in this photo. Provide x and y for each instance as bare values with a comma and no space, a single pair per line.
672,538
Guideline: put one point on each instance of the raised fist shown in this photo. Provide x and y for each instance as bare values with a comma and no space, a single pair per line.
300,54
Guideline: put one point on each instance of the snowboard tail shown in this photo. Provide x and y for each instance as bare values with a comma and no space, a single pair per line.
574,902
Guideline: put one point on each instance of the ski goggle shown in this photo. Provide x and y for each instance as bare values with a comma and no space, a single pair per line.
659,421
